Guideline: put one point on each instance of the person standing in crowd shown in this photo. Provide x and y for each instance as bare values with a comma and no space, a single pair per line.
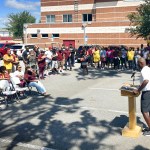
145,97
8,60
137,55
36,50
109,57
54,61
103,58
116,59
142,49
25,56
63,46
48,55
32,59
96,57
67,55
72,56
60,59
90,56
148,59
145,54
84,61
16,60
41,64
130,56
123,59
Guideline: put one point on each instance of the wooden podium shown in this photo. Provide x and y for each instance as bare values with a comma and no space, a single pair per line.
131,129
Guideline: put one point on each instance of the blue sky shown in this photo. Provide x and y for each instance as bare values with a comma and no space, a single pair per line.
14,6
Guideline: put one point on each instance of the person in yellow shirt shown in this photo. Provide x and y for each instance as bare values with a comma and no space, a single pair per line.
96,57
8,61
130,56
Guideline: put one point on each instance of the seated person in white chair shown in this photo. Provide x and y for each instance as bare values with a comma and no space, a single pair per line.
31,79
20,75
4,78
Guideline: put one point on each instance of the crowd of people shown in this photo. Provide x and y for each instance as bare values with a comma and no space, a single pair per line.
12,74
116,57
40,63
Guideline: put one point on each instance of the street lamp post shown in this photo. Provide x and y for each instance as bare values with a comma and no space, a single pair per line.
84,29
25,28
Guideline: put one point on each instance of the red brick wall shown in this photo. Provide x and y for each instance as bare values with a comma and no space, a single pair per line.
102,17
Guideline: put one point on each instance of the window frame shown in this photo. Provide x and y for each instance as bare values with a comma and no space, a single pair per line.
55,34
45,34
87,15
67,18
34,34
50,19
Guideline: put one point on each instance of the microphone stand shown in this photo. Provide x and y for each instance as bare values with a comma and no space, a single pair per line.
133,76
133,79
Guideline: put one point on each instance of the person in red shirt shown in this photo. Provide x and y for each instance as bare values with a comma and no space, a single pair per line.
109,55
90,58
41,64
32,81
67,55
60,58
116,59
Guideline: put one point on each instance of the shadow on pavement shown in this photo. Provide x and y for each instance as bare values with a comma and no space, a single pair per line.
35,122
122,120
98,73
51,122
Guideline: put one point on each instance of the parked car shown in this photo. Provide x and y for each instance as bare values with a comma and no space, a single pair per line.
20,48
4,47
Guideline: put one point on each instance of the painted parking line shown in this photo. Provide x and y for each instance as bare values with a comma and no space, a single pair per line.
109,110
35,147
106,89
96,109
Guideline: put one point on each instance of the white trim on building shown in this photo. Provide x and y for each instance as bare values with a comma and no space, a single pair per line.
115,29
90,6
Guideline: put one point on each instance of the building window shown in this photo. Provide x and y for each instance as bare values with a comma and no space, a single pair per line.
50,19
67,18
44,35
87,17
34,35
55,35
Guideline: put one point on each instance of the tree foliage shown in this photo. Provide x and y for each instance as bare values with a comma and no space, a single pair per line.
16,22
140,21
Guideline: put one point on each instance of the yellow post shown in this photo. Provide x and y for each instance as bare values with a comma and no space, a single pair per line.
132,129
132,111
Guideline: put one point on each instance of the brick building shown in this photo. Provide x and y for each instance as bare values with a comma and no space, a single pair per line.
102,22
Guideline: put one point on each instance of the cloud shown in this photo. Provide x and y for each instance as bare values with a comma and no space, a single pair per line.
27,5
36,13
3,22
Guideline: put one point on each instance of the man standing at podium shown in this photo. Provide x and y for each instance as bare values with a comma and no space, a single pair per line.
145,97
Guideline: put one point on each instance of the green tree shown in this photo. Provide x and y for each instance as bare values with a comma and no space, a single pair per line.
140,21
16,22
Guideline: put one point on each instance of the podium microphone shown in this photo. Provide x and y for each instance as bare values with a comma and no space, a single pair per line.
133,74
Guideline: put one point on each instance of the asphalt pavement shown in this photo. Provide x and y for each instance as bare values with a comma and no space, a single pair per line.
83,112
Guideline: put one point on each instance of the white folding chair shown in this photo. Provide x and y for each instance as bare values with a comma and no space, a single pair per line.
15,81
8,91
